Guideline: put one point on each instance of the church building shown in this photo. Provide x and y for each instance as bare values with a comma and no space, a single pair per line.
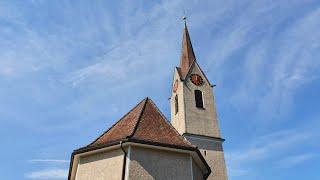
143,145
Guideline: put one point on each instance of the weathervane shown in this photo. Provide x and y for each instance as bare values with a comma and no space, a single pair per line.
184,17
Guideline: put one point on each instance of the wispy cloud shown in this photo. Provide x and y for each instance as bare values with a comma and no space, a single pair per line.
296,159
48,174
48,161
90,62
266,57
241,162
110,73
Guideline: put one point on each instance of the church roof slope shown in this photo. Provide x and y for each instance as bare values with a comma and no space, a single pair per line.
145,123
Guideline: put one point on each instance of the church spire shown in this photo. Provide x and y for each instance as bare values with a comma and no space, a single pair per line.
187,54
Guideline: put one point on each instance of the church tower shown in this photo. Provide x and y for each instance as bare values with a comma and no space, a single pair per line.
193,111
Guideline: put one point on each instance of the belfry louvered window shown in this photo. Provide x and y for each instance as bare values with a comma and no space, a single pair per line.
176,105
198,98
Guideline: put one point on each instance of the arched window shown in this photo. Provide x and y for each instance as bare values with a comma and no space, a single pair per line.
176,105
198,98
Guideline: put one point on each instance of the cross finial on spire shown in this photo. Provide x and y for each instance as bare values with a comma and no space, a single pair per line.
184,18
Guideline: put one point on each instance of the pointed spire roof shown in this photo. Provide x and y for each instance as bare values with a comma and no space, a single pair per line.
146,123
187,54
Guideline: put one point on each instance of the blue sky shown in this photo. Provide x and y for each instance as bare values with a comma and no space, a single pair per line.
70,69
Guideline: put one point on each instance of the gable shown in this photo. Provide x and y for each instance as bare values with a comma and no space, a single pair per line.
196,69
121,129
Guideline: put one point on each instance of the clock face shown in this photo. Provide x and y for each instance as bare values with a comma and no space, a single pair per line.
175,86
196,79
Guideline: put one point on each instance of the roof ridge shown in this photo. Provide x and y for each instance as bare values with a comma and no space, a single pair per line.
191,47
187,53
117,122
189,70
203,73
139,118
170,125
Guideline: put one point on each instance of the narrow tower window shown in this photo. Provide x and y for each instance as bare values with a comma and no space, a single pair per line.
198,98
176,104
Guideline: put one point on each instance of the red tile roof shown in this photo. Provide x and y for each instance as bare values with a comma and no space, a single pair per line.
144,122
